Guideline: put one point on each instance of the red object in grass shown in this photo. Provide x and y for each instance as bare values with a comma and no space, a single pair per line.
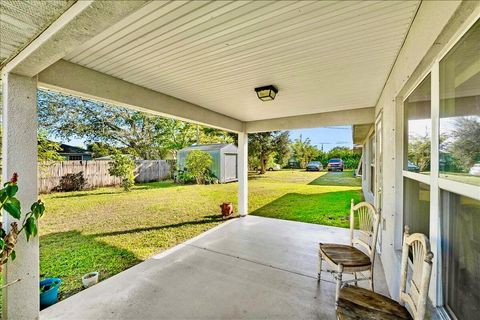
227,209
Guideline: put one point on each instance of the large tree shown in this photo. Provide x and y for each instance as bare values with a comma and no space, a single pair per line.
262,145
465,147
107,128
304,151
419,151
69,117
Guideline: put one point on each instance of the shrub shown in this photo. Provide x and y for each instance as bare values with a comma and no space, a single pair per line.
198,164
185,177
123,167
72,182
210,178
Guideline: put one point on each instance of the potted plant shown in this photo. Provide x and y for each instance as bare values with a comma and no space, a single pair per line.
49,291
28,225
90,279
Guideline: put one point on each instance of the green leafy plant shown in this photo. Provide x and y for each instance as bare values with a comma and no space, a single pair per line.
123,167
210,177
29,224
185,177
49,286
198,164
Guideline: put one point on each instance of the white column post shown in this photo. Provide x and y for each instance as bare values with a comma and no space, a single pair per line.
243,173
19,154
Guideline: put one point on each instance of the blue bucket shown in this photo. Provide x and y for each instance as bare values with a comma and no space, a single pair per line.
50,296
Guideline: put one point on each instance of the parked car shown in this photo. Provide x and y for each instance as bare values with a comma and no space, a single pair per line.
335,164
314,166
475,170
412,167
275,167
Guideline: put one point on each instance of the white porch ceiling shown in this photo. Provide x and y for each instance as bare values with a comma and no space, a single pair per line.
322,55
23,21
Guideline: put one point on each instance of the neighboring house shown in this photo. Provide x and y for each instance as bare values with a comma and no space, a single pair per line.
224,156
74,153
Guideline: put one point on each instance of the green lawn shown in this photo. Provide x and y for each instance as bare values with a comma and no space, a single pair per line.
325,199
108,230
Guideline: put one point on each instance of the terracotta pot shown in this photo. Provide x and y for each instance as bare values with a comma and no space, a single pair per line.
227,209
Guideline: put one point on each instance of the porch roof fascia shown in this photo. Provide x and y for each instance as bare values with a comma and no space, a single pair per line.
334,118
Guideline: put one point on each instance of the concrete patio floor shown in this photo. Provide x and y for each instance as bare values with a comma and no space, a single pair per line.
246,268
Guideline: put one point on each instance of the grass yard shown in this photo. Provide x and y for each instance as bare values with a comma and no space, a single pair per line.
325,199
108,230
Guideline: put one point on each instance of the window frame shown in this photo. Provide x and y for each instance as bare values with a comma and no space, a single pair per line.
372,140
436,183
416,175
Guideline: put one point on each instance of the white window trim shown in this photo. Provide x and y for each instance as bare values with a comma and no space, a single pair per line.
423,178
436,182
435,214
460,188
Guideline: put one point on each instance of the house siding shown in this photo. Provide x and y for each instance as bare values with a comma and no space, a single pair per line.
435,20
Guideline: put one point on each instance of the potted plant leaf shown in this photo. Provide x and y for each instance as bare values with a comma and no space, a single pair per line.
27,224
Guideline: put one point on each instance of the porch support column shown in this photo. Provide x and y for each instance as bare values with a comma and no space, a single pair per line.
243,173
19,154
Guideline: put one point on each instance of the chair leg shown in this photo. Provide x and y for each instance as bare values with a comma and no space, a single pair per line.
355,275
339,276
320,260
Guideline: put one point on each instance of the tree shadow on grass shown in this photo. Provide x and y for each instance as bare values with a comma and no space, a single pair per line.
70,255
205,220
117,190
77,194
345,178
330,208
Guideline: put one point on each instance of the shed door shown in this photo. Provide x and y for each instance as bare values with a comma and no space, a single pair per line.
230,167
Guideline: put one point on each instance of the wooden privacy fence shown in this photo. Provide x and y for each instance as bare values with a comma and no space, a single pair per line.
96,173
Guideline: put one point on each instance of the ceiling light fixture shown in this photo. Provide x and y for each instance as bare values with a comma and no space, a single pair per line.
266,93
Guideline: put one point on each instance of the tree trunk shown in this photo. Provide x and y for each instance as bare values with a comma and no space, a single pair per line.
263,164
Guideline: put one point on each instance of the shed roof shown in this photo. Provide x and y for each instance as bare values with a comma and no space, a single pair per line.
207,147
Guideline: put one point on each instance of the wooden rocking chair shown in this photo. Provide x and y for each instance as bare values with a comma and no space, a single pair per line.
358,303
347,258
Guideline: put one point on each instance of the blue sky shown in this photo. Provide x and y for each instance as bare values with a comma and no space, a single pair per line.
330,137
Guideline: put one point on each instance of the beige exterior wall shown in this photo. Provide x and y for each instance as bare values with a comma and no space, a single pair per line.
436,26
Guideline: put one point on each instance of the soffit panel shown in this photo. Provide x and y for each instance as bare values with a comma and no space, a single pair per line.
322,55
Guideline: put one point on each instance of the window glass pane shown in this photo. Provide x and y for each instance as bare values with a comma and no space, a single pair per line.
459,157
372,150
372,180
461,255
371,144
418,128
416,206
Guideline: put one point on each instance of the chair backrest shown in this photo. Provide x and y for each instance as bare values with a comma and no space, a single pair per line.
368,223
415,293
